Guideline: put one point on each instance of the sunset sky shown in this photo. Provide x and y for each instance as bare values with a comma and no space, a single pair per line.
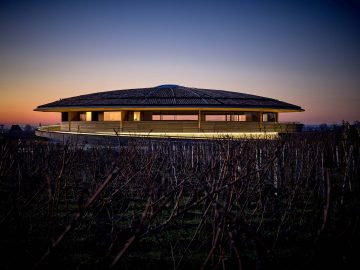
302,52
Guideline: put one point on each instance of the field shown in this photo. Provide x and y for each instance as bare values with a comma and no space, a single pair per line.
291,203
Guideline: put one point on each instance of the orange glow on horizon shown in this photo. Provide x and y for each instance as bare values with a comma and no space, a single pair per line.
17,105
19,110
26,117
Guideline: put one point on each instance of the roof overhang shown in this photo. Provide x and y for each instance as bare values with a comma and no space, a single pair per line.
167,108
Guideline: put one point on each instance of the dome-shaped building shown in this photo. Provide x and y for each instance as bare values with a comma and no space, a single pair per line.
171,109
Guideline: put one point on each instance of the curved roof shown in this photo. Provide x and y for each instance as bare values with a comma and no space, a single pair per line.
168,96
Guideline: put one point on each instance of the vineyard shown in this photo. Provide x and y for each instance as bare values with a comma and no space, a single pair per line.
290,203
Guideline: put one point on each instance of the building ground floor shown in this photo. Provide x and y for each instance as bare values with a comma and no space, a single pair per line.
175,121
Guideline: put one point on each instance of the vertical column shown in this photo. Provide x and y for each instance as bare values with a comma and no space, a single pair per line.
121,121
199,121
64,126
70,117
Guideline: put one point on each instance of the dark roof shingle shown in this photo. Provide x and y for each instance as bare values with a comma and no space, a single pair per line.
170,96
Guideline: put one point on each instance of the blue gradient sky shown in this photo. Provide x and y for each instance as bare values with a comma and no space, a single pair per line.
302,52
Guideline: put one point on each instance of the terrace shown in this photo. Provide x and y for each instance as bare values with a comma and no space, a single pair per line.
172,122
178,126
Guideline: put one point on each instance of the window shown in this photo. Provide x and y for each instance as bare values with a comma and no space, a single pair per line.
215,117
225,117
272,117
187,117
269,117
82,116
136,116
252,116
168,117
97,116
242,117
234,117
173,117
64,116
265,117
112,116
88,116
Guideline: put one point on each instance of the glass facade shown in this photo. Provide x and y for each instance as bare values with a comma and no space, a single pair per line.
175,117
112,116
64,116
215,117
269,117
82,116
170,116
230,117
252,116
88,116
136,116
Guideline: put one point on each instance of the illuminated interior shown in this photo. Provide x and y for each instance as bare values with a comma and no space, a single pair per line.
88,116
82,116
239,117
174,117
112,116
207,116
136,116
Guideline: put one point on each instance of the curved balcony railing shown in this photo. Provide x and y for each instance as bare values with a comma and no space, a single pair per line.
178,126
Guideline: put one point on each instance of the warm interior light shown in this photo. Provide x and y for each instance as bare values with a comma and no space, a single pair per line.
225,117
88,116
174,117
112,116
136,116
82,116
265,117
